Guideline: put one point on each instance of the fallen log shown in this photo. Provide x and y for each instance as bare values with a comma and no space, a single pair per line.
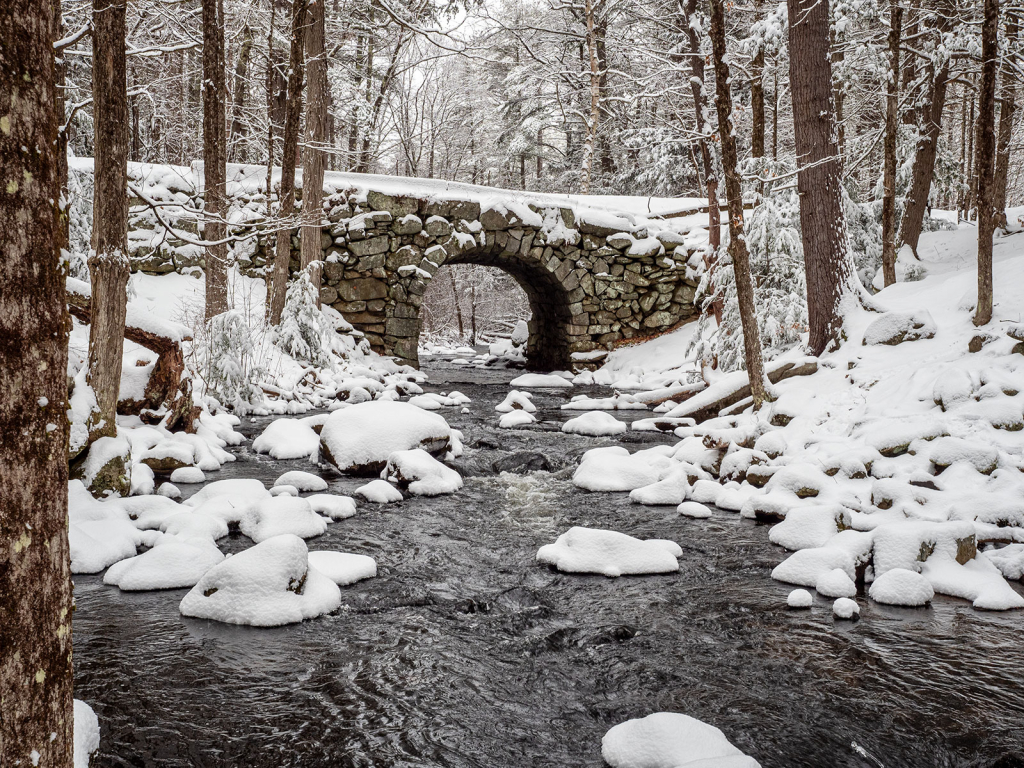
168,395
735,387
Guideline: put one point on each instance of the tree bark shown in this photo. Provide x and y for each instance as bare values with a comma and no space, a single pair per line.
286,196
707,161
1007,111
36,720
757,96
64,228
316,138
830,274
889,153
984,162
238,123
734,196
927,144
593,121
108,263
215,157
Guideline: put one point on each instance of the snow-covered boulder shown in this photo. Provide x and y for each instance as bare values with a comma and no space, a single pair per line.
86,733
835,583
420,473
897,327
288,439
670,740
516,419
281,515
845,608
673,490
806,527
343,568
594,424
799,598
693,509
379,492
267,585
516,401
238,489
900,586
304,482
334,507
615,469
359,439
804,567
95,544
610,553
173,563
188,476
541,381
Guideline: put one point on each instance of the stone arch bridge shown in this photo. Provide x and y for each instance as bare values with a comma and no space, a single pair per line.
594,276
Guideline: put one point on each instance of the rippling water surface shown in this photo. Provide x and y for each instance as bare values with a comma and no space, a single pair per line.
465,652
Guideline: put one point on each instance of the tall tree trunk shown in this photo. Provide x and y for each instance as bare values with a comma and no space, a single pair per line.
458,304
286,196
238,123
215,155
316,137
927,143
269,85
757,96
1007,110
891,127
838,55
830,273
108,263
63,230
700,108
594,118
604,150
280,82
37,723
984,164
734,196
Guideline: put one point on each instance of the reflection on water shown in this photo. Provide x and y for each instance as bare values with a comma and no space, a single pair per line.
465,652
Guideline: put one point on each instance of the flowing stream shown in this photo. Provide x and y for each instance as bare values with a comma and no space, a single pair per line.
465,652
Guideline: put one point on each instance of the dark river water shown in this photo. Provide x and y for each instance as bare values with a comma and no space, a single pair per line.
465,652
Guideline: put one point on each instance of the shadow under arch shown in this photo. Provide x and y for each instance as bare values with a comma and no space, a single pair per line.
548,346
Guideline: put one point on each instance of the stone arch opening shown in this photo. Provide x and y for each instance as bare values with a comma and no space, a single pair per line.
472,303
548,345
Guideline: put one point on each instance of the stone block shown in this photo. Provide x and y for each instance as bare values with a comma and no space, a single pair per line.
395,205
405,256
328,295
659,320
371,246
376,305
368,263
350,306
402,326
438,227
363,318
408,225
406,311
362,289
452,209
494,220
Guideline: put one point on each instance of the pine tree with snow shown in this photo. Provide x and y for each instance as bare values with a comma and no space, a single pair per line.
304,332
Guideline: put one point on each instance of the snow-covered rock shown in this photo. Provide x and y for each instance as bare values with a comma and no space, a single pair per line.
900,586
541,381
282,515
595,424
799,598
86,733
670,740
359,439
288,439
343,568
516,401
615,469
897,327
420,473
845,608
267,585
610,553
693,509
516,419
188,476
304,482
334,507
379,492
835,583
175,561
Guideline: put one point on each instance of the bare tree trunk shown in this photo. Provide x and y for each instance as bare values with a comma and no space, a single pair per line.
927,146
458,304
891,127
215,155
757,96
593,121
700,107
286,197
1007,111
63,236
238,124
734,195
316,136
37,723
984,164
108,263
830,274
270,117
